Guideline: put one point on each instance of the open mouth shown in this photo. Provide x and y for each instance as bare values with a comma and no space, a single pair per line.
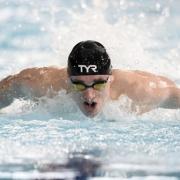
90,104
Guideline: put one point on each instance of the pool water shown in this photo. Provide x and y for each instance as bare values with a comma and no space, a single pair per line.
52,139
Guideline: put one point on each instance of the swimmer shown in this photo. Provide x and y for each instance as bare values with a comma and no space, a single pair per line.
92,81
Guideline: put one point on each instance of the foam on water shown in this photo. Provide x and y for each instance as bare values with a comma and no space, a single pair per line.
138,35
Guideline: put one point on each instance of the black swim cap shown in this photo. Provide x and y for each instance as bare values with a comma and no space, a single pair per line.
89,58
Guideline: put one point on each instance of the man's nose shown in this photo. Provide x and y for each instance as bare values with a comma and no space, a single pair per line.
89,94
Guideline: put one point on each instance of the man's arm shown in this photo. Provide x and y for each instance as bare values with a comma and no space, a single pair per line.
157,90
147,89
8,91
26,84
173,99
32,83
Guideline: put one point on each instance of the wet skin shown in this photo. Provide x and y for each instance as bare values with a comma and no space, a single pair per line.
146,90
90,100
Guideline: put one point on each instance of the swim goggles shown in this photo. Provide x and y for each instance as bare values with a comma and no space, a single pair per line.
80,86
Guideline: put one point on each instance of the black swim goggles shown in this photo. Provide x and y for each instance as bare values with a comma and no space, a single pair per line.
78,85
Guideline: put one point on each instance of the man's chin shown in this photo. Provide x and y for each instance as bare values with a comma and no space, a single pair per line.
90,114
90,110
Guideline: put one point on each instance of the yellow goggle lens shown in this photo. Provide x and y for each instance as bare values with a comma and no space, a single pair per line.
82,87
78,87
99,86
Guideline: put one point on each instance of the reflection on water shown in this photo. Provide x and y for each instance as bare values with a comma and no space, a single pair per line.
82,167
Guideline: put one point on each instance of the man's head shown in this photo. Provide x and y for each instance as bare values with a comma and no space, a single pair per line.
89,70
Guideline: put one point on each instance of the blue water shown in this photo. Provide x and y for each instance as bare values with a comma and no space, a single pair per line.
53,139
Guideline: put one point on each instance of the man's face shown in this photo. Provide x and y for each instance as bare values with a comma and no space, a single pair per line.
90,92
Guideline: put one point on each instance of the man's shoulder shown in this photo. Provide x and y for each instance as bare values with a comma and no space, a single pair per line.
135,74
120,71
41,71
122,74
136,77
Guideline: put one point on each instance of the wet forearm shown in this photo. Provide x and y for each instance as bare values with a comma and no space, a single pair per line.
5,101
173,101
6,95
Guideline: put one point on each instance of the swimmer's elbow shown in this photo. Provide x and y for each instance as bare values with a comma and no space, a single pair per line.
173,100
4,102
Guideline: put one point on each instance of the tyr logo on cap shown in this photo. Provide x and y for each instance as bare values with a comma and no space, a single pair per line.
87,68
